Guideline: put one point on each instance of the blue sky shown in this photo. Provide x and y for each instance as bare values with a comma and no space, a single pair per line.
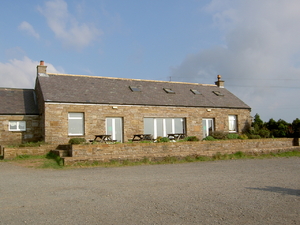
253,44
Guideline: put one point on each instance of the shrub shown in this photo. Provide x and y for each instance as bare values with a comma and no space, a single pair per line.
192,138
76,141
264,133
218,134
254,136
243,136
164,139
208,138
232,136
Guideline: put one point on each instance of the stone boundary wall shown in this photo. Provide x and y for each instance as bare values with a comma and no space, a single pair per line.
10,153
137,151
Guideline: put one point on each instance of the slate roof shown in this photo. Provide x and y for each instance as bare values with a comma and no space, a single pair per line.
103,90
18,102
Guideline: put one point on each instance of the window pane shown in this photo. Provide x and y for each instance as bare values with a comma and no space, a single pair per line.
179,125
76,124
169,129
22,125
13,125
149,126
159,127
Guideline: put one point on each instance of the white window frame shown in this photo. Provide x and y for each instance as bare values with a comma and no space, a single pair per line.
232,124
20,125
72,117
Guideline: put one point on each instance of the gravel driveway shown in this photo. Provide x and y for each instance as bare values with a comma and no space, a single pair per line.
222,192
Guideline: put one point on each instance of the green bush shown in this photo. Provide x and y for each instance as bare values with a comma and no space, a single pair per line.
264,133
219,135
208,138
243,136
76,141
232,136
254,136
164,139
192,138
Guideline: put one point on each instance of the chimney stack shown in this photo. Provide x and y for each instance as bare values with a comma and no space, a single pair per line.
41,69
220,83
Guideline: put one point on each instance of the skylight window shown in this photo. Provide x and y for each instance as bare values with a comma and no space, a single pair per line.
169,91
134,89
218,93
196,92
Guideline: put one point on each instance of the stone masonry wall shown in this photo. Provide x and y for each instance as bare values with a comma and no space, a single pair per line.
32,133
56,119
10,153
137,151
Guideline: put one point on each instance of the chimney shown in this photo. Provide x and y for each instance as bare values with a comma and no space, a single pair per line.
41,69
220,83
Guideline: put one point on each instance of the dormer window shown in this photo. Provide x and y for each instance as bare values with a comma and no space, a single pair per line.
134,89
218,93
169,91
196,92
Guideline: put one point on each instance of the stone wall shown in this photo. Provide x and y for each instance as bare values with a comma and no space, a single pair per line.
137,151
56,119
10,153
32,133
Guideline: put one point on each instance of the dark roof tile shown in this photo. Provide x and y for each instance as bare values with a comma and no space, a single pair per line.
103,90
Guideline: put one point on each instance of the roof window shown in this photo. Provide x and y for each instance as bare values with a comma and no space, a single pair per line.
218,93
134,89
169,91
196,92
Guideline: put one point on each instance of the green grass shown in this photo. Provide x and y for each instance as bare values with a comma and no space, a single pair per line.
55,162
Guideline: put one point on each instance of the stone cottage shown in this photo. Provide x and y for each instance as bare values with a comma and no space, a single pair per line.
65,106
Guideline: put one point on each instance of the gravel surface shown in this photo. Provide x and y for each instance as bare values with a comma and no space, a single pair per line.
221,192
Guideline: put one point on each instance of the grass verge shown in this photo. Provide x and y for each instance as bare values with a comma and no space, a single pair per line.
52,161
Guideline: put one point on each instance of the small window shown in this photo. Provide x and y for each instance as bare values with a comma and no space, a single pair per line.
134,89
196,92
17,126
76,124
169,91
218,93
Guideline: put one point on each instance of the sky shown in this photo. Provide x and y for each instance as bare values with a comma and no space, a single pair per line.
253,44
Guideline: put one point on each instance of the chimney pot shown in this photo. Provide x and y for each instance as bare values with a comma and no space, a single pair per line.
41,63
220,83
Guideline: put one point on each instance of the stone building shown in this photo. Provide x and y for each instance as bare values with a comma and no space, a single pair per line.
65,106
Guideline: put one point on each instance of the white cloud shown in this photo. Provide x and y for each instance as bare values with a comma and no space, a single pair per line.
27,27
21,73
66,27
258,61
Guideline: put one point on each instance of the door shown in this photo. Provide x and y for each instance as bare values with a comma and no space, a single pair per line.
207,126
114,127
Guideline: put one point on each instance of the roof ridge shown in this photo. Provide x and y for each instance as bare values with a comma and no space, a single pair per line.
117,78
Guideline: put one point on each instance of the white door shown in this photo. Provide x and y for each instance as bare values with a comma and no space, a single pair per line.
114,127
207,126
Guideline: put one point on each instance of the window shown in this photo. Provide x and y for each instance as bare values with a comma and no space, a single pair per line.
164,126
218,93
207,126
196,92
17,126
76,124
232,123
169,91
134,89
